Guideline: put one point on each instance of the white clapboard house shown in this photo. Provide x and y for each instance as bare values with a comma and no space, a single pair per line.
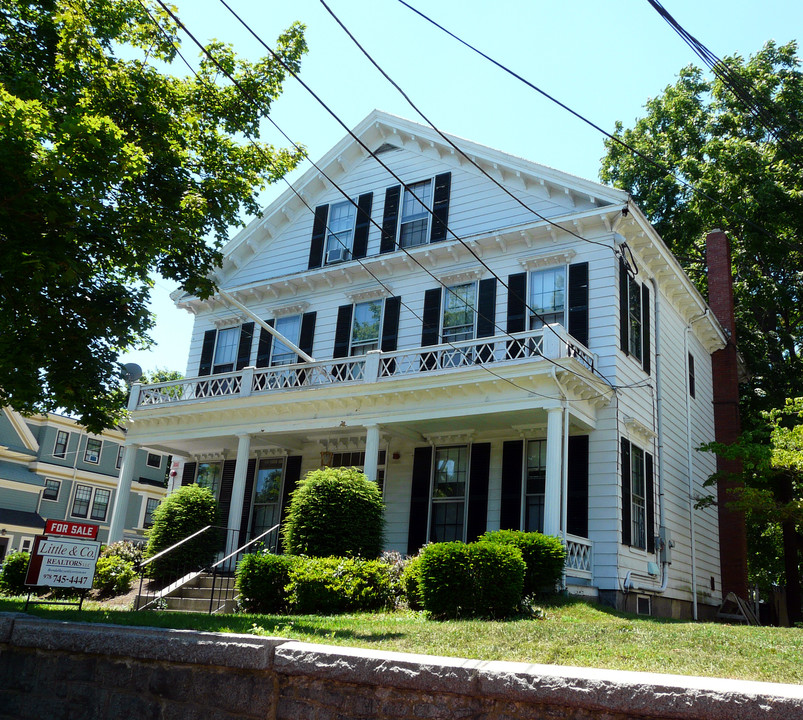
497,343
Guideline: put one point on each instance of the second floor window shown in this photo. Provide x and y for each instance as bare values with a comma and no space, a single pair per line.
415,214
60,448
150,505
153,460
226,350
547,297
459,306
341,232
365,327
51,491
92,452
290,327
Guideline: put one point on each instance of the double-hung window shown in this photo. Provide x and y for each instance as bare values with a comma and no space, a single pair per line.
415,214
340,232
267,495
365,325
153,460
289,327
634,310
226,350
535,487
51,491
547,297
89,502
634,327
449,487
92,451
459,322
150,506
638,498
60,447
209,476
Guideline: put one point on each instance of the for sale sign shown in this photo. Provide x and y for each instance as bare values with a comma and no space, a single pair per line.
85,531
62,562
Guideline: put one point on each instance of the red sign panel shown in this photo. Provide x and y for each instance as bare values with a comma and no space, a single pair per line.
85,531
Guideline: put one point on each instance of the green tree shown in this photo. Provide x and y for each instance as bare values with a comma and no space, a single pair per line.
772,499
112,169
701,132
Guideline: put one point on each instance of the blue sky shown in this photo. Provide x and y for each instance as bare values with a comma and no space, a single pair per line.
603,58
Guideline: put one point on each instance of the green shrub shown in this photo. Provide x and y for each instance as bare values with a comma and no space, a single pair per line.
178,516
335,512
497,573
336,584
12,574
113,575
125,549
411,583
262,580
543,555
446,586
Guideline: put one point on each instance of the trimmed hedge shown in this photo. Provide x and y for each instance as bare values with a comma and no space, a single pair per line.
335,512
262,580
411,583
544,556
337,584
12,574
480,579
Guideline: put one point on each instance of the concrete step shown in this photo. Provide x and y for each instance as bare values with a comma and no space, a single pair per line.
585,591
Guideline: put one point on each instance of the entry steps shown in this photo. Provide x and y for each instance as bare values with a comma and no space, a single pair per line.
194,594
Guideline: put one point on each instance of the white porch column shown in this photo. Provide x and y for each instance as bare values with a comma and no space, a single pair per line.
552,509
237,493
371,451
120,510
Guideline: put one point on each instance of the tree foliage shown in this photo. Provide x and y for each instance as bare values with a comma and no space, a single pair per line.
700,131
112,169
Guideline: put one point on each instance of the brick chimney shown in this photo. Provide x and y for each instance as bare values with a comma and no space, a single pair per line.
727,425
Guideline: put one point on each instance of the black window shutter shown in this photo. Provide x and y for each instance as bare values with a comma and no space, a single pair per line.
624,318
226,487
343,331
360,247
390,219
419,499
440,207
307,333
578,302
318,236
650,500
390,324
645,328
516,294
250,473
577,486
430,330
188,475
207,352
265,345
692,388
486,308
479,469
244,348
292,474
512,463
626,517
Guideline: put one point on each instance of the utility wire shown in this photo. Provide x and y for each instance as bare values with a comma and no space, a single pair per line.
371,273
613,138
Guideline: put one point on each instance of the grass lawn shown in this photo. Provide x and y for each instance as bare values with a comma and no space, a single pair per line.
567,632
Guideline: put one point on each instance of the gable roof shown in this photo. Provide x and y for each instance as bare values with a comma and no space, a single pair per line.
16,440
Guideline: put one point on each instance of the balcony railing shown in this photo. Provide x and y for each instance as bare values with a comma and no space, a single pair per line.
376,366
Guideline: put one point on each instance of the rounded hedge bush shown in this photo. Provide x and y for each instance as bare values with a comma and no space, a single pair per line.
446,586
113,575
12,574
339,584
498,577
335,512
411,583
178,516
262,580
544,556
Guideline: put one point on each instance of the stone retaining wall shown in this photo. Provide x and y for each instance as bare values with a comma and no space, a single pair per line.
57,670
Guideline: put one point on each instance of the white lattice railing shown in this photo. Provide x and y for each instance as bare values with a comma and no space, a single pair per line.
376,366
579,561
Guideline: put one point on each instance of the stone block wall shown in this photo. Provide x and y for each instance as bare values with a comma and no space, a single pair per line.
61,671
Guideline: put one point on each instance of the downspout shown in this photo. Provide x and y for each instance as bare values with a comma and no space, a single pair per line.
690,465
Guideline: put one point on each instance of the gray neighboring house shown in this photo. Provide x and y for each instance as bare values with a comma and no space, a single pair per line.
52,468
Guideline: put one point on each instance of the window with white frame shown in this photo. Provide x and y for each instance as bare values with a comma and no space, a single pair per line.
449,486
92,451
415,214
635,322
150,505
51,491
638,498
365,326
209,476
100,504
226,350
535,486
289,327
91,502
459,313
60,446
153,460
547,297
267,495
340,234
26,544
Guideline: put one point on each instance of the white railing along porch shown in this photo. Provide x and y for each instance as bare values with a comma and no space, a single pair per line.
579,562
376,366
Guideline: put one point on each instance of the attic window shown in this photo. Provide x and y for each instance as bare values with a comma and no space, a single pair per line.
385,147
